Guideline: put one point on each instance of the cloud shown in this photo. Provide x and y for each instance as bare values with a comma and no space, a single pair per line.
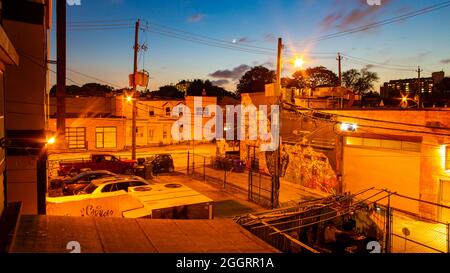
196,18
233,74
445,61
269,38
220,82
243,40
344,15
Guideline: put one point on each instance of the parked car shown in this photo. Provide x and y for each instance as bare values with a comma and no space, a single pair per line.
71,186
162,163
112,184
97,162
230,161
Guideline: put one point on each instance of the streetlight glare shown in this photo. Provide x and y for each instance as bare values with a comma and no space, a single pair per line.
51,140
298,62
129,99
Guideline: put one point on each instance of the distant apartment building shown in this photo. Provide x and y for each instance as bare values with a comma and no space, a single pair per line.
409,87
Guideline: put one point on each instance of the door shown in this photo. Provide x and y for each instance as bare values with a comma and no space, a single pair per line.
444,199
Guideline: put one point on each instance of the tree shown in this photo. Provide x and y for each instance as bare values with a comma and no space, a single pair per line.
166,91
361,81
255,79
88,89
315,77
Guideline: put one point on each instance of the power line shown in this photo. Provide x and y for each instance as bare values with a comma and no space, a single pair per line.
383,22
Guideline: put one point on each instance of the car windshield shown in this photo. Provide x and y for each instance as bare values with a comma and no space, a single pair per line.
90,188
78,177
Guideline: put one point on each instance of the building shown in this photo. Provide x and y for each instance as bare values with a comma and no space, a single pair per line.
8,56
408,87
103,123
404,151
27,24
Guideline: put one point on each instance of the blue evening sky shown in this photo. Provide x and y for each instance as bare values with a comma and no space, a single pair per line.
107,53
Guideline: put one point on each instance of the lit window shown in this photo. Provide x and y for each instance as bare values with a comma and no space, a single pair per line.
198,111
167,111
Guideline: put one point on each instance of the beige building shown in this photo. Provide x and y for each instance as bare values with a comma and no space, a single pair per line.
8,56
104,123
27,24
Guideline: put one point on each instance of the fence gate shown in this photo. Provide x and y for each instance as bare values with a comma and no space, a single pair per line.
260,185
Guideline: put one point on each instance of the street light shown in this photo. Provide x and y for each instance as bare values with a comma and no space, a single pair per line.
298,62
129,98
51,140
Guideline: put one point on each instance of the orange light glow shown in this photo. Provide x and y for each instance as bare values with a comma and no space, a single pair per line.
129,99
299,62
51,140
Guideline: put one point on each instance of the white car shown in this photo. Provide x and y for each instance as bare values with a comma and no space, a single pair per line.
115,183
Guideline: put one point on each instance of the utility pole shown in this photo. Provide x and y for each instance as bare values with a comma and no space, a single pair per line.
339,59
277,169
419,89
134,92
61,72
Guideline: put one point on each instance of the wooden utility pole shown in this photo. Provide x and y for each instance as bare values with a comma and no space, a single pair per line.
339,59
134,92
419,89
61,71
277,171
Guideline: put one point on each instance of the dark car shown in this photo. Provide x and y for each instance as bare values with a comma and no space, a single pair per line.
162,163
73,185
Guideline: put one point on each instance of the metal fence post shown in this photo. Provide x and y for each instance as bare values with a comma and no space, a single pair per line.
448,237
187,169
204,168
224,177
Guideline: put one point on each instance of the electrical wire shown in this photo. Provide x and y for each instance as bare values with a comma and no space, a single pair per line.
382,22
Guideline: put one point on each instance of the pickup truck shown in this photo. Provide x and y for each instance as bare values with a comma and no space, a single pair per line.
97,162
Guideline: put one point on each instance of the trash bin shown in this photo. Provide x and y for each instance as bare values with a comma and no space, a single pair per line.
140,171
148,171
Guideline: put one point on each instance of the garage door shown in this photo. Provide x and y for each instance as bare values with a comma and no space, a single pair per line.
383,164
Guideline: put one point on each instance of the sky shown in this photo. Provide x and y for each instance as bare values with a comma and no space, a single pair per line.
220,40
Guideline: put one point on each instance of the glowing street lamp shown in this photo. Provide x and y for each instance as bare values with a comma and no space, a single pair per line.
298,62
51,140
129,98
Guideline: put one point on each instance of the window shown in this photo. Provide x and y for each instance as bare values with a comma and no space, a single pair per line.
164,134
198,111
139,131
107,188
90,188
150,134
76,137
151,111
123,186
105,137
168,111
206,111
